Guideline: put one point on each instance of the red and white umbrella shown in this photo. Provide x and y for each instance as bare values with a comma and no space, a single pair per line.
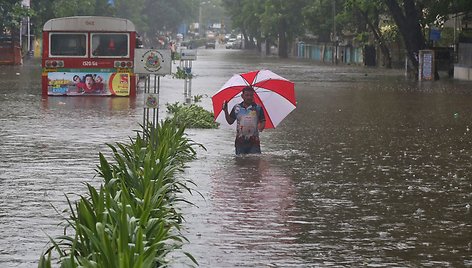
275,94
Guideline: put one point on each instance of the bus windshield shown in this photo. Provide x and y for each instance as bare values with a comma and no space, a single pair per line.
109,45
63,44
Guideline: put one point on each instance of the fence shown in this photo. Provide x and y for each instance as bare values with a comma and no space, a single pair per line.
463,69
10,51
327,53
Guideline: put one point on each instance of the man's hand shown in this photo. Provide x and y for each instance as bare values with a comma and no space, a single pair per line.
228,118
261,126
225,106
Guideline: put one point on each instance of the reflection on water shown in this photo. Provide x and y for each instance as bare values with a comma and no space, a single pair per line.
369,170
255,197
90,103
246,217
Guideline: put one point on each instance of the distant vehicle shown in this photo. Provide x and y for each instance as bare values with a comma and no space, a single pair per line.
188,44
230,43
234,43
210,35
238,44
210,44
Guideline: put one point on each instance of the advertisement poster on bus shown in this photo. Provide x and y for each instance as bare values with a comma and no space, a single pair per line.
90,83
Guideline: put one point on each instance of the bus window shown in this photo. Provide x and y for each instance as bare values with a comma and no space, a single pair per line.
68,44
110,45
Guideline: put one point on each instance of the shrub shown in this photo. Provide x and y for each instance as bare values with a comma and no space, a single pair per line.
191,116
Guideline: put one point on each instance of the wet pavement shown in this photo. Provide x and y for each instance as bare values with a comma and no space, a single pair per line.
371,169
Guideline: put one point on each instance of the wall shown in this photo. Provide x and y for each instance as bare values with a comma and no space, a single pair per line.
325,52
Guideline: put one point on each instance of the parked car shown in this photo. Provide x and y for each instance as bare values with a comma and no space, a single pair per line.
230,43
234,44
238,44
210,44
188,44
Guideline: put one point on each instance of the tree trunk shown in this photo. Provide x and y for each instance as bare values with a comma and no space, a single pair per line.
268,43
283,42
378,36
244,38
407,21
258,44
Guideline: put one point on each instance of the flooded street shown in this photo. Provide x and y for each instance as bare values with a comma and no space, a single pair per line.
370,169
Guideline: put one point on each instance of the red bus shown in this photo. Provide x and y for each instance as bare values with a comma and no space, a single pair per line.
88,55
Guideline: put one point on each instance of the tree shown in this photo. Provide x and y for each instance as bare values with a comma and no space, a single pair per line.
280,20
160,16
286,19
11,15
164,15
103,8
408,17
45,10
316,15
132,10
252,23
363,13
246,16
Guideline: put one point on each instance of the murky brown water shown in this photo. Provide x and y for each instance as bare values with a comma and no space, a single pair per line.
369,170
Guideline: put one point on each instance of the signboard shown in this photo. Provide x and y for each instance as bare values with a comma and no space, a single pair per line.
426,68
434,34
188,54
151,100
89,83
152,61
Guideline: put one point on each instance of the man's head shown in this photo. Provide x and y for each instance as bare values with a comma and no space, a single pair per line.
248,95
88,81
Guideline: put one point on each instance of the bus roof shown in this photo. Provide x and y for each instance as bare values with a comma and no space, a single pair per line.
89,23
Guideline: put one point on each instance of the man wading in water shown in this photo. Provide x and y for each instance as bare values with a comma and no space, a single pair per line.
250,121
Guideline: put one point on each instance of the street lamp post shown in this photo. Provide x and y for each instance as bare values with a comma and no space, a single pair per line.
27,4
201,31
200,19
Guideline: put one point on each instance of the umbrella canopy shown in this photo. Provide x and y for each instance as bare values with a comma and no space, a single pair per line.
275,94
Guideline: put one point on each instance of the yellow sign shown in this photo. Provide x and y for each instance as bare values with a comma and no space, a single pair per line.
120,83
123,70
49,70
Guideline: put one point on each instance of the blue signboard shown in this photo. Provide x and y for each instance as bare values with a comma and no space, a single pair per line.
434,34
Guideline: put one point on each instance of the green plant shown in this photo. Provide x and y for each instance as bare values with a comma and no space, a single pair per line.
177,56
197,98
191,116
183,73
132,220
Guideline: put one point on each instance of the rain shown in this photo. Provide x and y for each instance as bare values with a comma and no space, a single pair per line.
370,169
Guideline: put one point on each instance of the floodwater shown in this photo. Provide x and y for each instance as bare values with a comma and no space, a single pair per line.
371,169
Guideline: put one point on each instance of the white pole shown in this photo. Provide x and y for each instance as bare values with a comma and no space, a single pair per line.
29,35
200,32
21,33
406,66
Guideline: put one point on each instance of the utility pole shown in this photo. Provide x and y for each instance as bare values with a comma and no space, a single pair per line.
335,36
200,32
334,19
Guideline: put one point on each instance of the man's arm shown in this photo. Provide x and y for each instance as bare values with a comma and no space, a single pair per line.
261,119
261,125
228,117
